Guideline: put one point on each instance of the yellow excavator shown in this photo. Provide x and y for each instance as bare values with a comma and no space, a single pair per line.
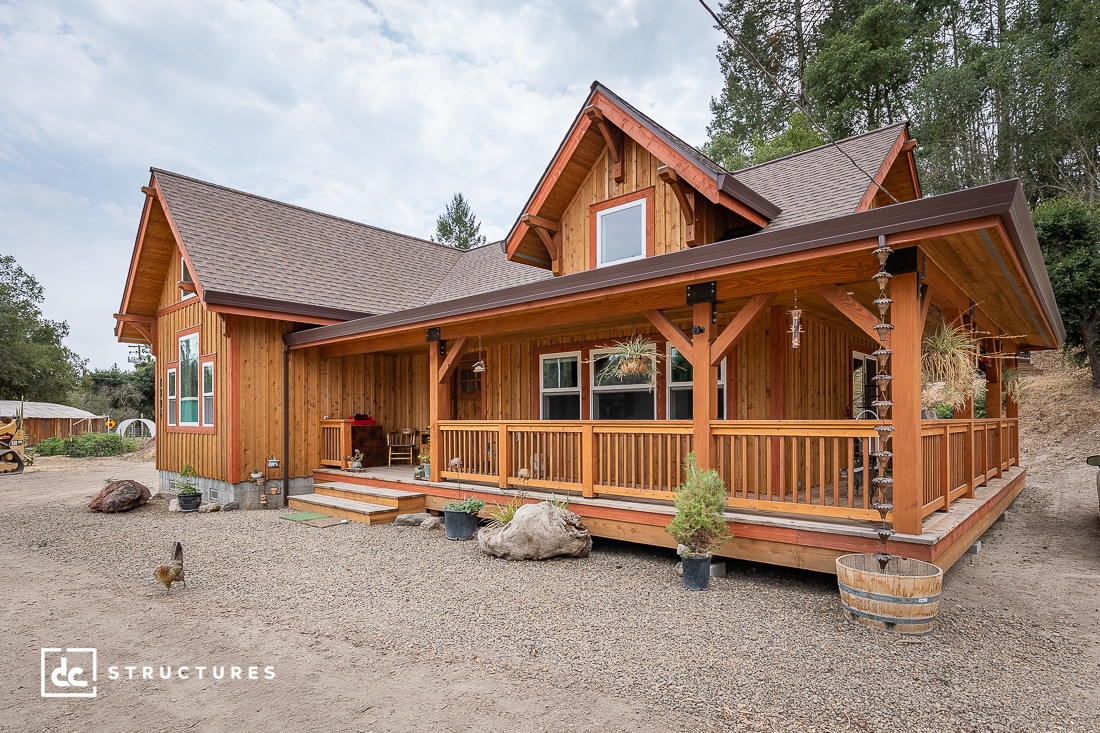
12,442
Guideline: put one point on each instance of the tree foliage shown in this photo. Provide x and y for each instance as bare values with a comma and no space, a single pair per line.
457,226
1069,233
121,394
34,364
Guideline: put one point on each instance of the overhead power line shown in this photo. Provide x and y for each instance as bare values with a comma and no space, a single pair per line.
786,95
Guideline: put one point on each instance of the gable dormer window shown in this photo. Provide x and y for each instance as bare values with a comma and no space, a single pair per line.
622,228
186,283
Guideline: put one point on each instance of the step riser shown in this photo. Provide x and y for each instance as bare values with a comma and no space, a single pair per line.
375,518
403,505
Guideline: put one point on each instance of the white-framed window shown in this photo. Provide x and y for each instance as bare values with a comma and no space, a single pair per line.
621,233
621,398
185,277
170,388
560,386
208,394
189,379
681,389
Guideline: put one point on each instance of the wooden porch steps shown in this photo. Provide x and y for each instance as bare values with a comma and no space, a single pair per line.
357,501
403,501
335,506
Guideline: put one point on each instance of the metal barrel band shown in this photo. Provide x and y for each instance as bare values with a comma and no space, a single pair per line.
890,620
919,601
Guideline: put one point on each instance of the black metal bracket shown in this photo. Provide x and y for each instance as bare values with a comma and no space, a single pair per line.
433,334
702,292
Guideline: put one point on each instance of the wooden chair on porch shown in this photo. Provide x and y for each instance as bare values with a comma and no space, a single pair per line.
401,446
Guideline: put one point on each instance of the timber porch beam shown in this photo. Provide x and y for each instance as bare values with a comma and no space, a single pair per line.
736,327
853,309
685,194
450,361
612,135
670,331
549,231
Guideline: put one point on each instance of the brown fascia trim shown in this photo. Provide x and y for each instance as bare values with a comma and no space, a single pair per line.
215,297
997,199
1021,229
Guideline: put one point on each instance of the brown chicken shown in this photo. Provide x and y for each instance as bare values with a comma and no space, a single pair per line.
172,572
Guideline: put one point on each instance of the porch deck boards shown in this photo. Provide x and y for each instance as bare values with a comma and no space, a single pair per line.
796,540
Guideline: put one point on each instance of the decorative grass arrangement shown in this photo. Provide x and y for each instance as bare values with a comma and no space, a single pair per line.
1012,383
629,360
503,513
948,363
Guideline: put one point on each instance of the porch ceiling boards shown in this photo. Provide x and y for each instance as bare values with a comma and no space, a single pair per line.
832,251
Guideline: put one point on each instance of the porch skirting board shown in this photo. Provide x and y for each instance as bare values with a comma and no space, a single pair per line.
776,539
245,493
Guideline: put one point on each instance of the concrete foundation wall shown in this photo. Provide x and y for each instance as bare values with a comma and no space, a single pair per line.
245,493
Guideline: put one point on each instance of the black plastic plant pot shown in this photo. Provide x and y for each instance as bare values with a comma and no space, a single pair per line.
459,525
697,572
190,502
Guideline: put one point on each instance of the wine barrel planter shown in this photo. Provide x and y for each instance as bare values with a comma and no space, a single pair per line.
904,599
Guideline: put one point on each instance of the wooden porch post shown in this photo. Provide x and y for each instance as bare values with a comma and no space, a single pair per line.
704,376
905,391
1012,412
993,409
777,389
440,367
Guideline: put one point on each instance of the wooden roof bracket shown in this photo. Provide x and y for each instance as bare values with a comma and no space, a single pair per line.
549,232
612,135
450,360
141,324
853,309
736,328
685,194
670,331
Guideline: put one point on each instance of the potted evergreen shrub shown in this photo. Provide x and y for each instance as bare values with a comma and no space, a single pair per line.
699,525
460,518
187,490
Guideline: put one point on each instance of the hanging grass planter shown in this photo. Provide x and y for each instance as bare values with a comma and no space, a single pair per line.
948,362
633,360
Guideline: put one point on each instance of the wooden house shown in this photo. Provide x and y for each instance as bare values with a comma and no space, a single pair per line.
273,326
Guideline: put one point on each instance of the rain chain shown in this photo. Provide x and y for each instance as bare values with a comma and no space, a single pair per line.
882,405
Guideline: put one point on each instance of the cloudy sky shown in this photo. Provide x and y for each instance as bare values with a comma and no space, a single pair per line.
378,111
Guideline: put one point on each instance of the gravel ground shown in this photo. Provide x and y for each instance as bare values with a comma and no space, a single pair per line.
765,649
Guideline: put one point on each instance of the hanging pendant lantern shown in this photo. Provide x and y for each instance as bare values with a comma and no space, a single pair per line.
795,329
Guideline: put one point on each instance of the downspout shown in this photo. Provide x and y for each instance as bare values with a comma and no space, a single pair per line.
286,424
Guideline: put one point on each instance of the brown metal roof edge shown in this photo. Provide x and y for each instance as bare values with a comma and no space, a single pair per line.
744,194
995,199
273,305
1026,243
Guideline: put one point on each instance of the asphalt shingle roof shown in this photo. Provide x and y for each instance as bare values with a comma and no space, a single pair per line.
248,245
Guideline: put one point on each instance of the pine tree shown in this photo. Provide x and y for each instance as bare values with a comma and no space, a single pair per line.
458,227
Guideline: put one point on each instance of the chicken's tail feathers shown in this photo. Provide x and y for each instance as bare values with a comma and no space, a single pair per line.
178,554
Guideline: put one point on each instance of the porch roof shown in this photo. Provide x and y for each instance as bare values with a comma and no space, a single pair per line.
1021,276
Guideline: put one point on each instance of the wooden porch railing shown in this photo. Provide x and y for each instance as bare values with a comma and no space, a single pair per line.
335,442
959,455
821,468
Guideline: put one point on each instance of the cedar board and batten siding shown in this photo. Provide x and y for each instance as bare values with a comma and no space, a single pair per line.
639,172
175,447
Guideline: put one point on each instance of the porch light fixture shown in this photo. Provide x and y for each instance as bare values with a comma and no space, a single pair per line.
795,330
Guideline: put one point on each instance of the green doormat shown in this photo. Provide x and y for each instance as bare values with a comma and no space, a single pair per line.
303,516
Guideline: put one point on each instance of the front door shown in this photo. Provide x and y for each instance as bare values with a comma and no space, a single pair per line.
467,393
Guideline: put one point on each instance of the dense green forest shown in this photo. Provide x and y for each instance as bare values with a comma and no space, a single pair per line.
992,89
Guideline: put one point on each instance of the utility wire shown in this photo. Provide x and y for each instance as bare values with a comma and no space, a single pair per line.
786,95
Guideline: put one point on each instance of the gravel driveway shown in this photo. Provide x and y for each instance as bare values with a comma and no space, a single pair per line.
378,628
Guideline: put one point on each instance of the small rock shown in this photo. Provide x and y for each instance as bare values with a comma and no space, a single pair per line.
174,505
231,506
432,523
411,520
211,507
120,496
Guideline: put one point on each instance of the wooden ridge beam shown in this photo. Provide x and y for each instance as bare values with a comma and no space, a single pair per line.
612,135
670,331
736,327
454,351
853,309
685,195
151,192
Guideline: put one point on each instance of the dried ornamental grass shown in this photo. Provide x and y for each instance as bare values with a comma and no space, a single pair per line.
948,364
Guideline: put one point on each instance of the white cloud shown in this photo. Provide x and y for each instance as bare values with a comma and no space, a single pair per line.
377,111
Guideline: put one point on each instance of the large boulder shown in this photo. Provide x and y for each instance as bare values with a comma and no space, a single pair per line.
120,496
537,532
